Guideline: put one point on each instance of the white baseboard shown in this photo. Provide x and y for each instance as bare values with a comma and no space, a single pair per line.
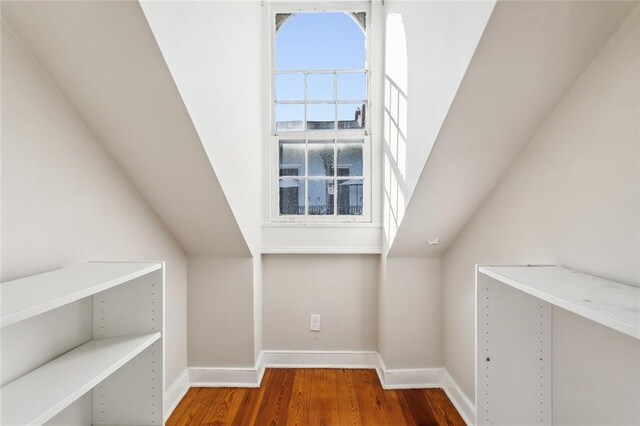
319,359
463,404
225,377
409,378
414,378
175,393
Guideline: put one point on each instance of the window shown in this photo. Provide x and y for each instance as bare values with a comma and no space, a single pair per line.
320,123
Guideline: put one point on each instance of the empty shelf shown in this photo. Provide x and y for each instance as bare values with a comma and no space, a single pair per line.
30,296
38,396
609,303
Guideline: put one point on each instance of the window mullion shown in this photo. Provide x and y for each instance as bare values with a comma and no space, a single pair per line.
335,100
304,124
335,177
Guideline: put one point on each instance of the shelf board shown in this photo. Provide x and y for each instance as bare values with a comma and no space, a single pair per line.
30,296
609,303
38,396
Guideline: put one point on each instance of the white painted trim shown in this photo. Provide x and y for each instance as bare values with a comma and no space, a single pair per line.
321,250
320,359
260,367
223,377
421,378
463,404
175,393
409,378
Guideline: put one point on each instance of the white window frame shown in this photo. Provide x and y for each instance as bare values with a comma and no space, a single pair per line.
336,134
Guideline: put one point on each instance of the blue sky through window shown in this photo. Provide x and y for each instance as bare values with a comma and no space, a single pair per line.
320,41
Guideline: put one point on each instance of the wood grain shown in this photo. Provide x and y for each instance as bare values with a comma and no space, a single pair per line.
315,397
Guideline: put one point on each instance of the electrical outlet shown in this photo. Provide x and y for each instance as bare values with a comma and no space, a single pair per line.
314,322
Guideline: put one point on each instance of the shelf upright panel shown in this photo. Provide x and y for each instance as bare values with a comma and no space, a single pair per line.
513,356
135,393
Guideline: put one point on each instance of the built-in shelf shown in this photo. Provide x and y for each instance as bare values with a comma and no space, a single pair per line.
122,367
514,337
34,295
38,396
609,303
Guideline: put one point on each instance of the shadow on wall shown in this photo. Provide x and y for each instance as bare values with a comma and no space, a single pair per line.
395,125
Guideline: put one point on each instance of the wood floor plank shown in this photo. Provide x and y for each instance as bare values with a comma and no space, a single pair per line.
248,409
323,409
183,406
300,403
419,407
315,397
348,407
398,409
211,399
442,407
224,411
370,399
194,408
404,408
275,402
330,380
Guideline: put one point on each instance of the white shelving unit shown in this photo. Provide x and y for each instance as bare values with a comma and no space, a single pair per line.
124,362
514,333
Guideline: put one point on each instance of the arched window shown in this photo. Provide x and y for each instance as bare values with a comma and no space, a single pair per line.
320,122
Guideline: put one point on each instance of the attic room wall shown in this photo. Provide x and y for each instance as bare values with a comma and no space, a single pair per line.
213,50
571,199
65,202
341,288
410,313
439,39
221,312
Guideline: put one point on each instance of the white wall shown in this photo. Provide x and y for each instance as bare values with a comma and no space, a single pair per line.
221,312
341,288
64,202
571,198
410,313
441,37
213,52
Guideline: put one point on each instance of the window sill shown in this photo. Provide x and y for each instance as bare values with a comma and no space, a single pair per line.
327,238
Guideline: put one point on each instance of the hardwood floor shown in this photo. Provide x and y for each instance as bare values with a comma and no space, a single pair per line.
315,397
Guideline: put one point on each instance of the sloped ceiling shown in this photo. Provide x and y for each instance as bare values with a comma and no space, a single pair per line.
104,59
528,57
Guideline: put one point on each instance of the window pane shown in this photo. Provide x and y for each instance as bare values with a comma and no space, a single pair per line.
289,117
320,41
352,87
351,116
349,159
321,116
350,197
292,196
289,87
291,156
321,197
321,161
320,87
